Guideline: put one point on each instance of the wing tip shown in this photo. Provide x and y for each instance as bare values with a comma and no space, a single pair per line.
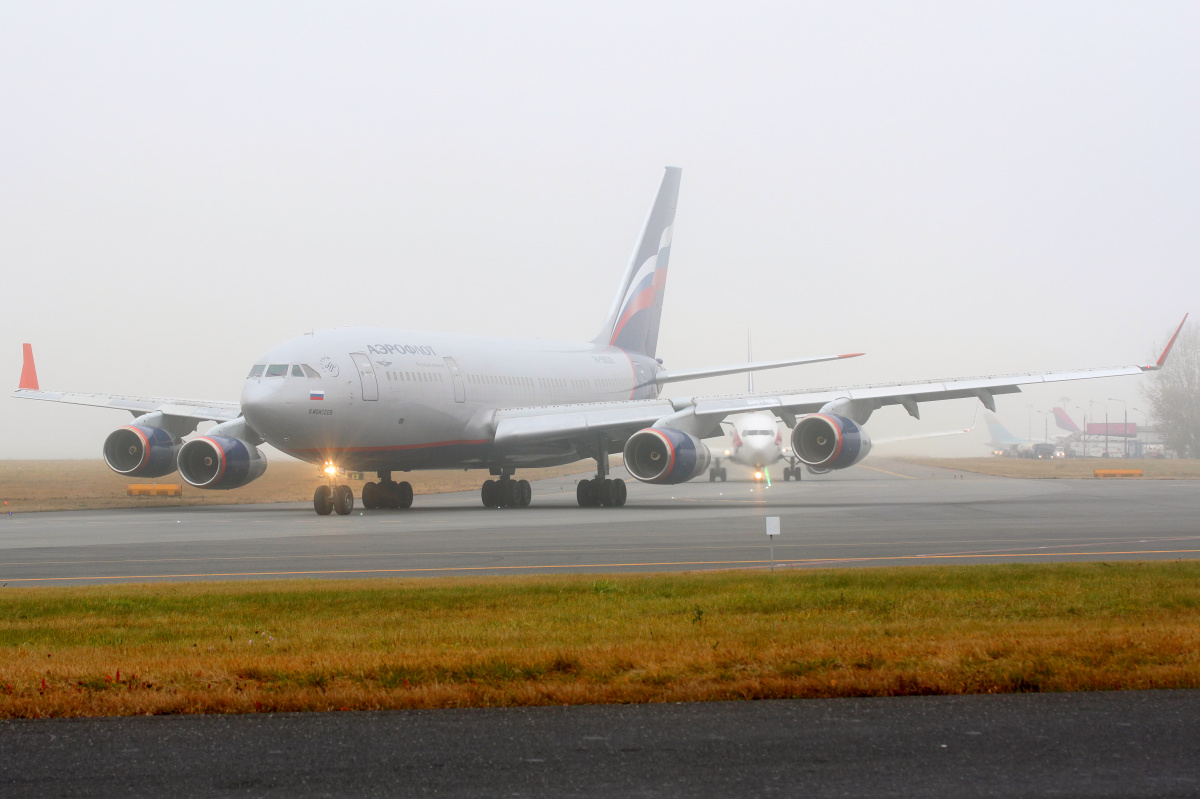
1162,359
28,370
851,354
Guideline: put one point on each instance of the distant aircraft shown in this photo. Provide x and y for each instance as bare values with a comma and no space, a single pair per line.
1004,442
1064,421
388,400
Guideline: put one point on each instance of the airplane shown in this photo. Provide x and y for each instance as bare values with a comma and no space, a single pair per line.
757,443
386,400
1004,442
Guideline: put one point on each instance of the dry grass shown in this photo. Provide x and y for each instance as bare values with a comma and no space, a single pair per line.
90,485
1066,467
281,646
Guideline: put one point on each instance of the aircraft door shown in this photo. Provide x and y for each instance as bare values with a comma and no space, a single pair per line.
460,388
366,373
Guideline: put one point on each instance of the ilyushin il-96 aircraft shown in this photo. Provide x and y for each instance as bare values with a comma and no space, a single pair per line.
383,400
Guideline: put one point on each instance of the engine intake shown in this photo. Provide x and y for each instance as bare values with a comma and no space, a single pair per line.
143,451
220,462
664,456
827,441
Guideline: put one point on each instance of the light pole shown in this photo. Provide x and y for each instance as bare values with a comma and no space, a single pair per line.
1092,402
1124,432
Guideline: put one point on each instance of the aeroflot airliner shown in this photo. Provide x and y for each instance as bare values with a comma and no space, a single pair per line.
384,400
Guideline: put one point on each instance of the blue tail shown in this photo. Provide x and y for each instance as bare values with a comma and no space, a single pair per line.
633,320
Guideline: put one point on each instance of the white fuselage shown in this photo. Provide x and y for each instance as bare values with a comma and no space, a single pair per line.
382,399
755,441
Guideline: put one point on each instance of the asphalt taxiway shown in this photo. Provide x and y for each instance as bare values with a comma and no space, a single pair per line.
880,513
1116,743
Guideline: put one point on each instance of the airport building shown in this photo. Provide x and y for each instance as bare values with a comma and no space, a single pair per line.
1117,440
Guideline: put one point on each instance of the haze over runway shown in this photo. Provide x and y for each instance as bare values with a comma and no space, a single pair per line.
483,169
884,513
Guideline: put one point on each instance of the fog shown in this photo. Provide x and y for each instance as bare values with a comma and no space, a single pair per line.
954,189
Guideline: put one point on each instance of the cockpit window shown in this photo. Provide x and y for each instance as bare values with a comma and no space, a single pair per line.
297,371
277,370
310,372
257,370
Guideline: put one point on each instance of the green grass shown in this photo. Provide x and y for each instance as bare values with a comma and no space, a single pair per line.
241,647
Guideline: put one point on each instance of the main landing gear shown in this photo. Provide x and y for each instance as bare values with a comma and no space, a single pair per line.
792,472
600,491
387,493
715,474
506,493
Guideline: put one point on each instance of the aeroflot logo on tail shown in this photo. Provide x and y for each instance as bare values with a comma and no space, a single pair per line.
399,349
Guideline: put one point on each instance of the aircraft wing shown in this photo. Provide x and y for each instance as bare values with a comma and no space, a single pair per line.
702,416
199,410
195,410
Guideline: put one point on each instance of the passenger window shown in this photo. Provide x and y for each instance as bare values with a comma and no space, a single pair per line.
257,370
277,370
310,372
297,371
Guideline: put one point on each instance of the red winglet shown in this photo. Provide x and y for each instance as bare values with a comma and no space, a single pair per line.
852,354
1162,359
28,372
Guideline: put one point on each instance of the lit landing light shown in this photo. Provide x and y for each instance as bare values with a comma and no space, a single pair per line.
758,475
330,469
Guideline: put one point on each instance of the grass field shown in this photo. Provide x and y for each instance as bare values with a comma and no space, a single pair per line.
280,646
1066,467
90,485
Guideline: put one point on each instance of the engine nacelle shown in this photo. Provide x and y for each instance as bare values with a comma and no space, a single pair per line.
658,455
827,441
141,451
220,462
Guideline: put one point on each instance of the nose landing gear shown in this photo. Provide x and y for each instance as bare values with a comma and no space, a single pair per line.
327,499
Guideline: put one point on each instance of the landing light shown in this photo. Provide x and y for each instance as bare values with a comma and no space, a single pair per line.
330,469
758,475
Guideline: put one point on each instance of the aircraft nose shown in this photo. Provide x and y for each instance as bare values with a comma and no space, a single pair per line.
259,399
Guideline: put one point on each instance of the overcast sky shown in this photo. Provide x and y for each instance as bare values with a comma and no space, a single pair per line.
954,188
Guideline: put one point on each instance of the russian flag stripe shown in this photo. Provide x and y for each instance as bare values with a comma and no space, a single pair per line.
316,395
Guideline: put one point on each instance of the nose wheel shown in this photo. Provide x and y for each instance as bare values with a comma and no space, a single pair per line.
328,499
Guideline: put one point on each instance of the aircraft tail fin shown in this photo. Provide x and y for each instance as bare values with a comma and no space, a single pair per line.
633,319
28,370
1064,421
999,432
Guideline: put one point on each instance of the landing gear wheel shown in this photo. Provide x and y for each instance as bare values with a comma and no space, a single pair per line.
323,501
723,475
512,493
712,475
488,493
787,473
526,493
619,492
585,493
343,500
404,494
371,496
604,493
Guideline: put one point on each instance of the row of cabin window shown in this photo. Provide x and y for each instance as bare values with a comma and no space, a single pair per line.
282,369
500,380
415,377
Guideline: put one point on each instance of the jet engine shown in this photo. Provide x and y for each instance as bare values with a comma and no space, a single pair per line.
138,450
659,455
827,441
220,462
